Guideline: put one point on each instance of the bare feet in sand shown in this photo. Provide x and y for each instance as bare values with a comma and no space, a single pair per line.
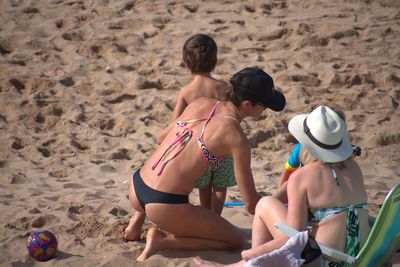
134,228
154,240
198,262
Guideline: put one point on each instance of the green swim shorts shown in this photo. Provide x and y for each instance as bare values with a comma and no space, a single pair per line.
224,176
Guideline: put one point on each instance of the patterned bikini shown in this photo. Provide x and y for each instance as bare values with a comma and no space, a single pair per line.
352,246
146,194
185,136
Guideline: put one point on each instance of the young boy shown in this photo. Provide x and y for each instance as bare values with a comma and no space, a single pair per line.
200,57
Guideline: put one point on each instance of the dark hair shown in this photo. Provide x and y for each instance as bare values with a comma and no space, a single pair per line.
200,53
231,96
255,85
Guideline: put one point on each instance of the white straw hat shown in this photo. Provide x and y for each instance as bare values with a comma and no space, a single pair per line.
323,133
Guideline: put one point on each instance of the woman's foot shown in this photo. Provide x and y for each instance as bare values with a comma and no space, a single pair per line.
198,262
154,240
134,228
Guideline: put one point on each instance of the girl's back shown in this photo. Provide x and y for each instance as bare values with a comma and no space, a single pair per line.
327,195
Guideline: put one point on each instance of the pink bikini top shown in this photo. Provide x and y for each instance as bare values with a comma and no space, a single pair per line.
185,136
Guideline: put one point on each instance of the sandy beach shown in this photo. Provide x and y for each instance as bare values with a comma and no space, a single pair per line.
86,87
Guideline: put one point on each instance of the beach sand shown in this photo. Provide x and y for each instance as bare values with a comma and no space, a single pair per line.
86,87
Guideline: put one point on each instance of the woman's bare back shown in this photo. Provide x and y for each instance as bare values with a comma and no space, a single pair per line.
181,172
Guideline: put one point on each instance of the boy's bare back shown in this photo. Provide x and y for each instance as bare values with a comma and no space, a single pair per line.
200,57
201,86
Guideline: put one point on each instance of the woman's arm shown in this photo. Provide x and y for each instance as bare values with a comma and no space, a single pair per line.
297,201
244,178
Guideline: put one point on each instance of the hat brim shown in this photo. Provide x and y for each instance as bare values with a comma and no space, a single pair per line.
277,102
343,152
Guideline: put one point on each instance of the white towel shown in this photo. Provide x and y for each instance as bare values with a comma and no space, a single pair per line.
286,256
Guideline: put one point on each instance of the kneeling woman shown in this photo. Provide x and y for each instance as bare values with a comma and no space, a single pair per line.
206,132
331,188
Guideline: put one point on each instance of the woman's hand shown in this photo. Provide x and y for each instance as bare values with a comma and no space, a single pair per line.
248,254
251,205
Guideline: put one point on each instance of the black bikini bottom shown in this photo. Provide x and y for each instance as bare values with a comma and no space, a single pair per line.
146,194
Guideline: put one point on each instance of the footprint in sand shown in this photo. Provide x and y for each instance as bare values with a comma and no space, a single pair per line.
161,21
78,145
18,84
344,33
259,137
17,178
303,28
314,41
274,35
18,144
108,168
91,227
30,10
67,81
74,36
44,151
143,83
105,124
121,98
26,223
19,62
307,80
121,154
120,48
392,78
73,186
387,138
39,118
192,8
60,174
6,46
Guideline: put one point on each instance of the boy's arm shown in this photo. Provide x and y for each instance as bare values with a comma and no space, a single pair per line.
178,110
284,176
180,106
163,133
291,164
281,193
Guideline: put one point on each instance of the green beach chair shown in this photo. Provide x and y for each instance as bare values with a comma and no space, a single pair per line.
382,242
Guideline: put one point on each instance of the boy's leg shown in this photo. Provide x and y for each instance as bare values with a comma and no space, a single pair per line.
134,228
205,195
222,178
203,184
218,199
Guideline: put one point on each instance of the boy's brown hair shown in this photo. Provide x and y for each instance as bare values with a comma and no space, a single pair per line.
200,53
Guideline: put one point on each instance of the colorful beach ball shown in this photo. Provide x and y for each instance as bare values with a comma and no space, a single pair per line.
42,245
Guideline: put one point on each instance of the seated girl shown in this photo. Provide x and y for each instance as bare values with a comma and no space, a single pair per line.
331,188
